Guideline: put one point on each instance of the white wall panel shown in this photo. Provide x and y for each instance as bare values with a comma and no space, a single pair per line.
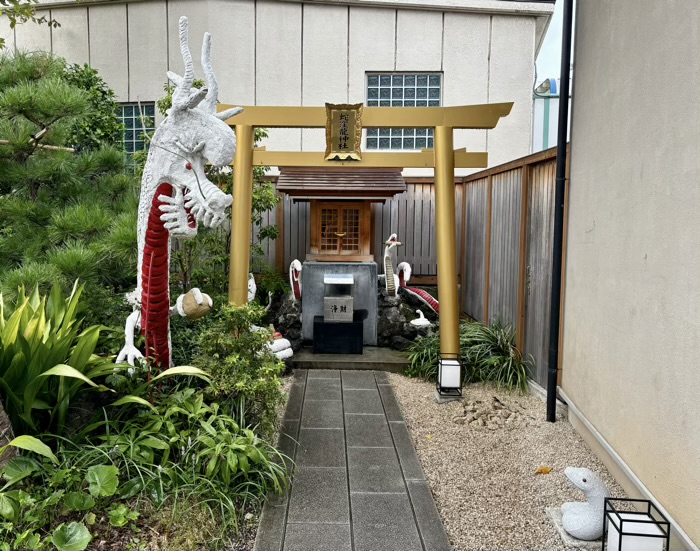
372,41
108,49
197,13
148,50
325,67
232,24
511,77
278,64
7,33
466,71
32,38
418,40
70,40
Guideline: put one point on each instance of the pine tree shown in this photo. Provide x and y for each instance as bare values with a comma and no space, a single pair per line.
67,207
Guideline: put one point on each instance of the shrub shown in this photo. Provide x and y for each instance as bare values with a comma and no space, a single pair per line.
244,372
487,352
45,359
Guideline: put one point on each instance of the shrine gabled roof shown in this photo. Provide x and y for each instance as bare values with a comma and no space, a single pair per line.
340,183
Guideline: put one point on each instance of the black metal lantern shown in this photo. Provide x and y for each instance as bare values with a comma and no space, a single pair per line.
634,530
449,380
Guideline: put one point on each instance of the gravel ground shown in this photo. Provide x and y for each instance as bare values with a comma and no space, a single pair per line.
483,475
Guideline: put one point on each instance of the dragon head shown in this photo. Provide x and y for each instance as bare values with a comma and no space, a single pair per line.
192,135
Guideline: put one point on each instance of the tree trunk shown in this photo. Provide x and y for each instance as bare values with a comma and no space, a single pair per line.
6,435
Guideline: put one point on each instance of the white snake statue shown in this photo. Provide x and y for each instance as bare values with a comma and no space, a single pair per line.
584,521
281,348
295,278
175,195
391,280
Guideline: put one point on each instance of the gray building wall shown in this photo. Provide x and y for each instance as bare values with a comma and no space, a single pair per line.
274,52
632,302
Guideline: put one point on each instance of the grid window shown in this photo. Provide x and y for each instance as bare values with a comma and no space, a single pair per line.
402,90
138,121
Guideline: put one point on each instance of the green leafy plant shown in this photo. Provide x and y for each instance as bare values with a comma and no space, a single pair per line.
487,353
45,359
244,373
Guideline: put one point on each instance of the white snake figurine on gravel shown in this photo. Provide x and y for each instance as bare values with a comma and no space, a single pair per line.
584,521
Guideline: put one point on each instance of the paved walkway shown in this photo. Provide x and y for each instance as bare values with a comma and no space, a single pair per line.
358,484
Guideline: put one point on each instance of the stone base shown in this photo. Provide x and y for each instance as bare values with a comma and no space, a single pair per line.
554,514
440,399
364,294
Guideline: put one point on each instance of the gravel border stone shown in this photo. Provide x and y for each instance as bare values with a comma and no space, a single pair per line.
483,475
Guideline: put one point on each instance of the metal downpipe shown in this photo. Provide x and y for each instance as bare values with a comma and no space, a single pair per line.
555,297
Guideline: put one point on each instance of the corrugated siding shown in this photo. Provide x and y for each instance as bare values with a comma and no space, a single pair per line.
539,266
475,248
297,230
268,246
505,236
411,215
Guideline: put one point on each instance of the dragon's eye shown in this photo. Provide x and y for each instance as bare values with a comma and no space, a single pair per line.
188,166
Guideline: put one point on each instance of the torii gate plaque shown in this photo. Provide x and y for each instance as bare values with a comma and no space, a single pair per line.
443,159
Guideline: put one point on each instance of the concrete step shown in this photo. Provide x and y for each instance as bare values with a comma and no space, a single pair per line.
372,357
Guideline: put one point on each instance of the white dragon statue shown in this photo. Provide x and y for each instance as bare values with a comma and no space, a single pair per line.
393,282
175,195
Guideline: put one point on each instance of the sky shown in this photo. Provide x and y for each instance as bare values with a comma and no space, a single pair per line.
549,60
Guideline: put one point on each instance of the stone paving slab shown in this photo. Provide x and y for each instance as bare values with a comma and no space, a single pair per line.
375,470
322,414
362,401
357,483
321,448
384,522
318,537
323,389
319,495
363,430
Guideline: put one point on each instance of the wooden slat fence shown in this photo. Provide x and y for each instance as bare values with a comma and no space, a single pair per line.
507,275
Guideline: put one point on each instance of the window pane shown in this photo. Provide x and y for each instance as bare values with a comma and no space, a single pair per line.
433,103
430,143
422,92
408,143
385,80
397,80
434,93
371,143
420,131
397,103
150,110
129,135
407,103
384,103
420,143
422,80
129,123
396,132
397,93
372,93
430,132
421,103
373,80
383,143
434,80
395,143
129,146
384,131
372,132
372,103
385,93
409,80
409,93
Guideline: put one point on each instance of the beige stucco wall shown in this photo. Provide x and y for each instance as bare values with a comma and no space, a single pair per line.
271,52
632,303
